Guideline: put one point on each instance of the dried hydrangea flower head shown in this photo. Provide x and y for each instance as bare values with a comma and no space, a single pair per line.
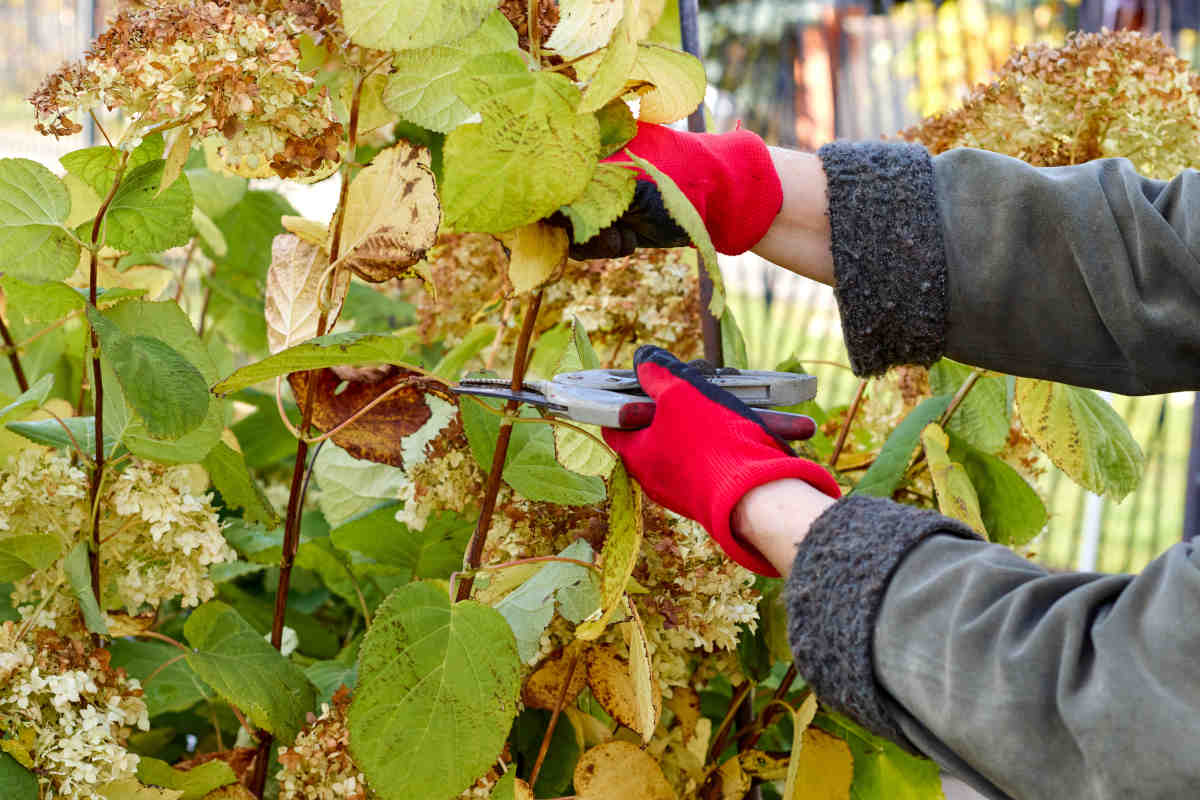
224,69
1100,95
318,765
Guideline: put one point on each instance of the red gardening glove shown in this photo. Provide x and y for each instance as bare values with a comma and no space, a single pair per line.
728,177
704,450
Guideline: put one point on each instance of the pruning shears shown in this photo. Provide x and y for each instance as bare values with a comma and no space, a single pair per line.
614,399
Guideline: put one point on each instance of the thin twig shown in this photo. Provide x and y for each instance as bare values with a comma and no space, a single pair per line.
250,729
959,396
770,711
851,413
162,637
722,735
539,560
475,547
163,666
558,704
13,357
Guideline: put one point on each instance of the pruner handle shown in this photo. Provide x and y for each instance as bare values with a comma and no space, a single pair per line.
785,425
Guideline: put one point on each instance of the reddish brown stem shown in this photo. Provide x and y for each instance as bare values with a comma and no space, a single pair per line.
488,507
13,357
558,704
851,413
721,737
770,712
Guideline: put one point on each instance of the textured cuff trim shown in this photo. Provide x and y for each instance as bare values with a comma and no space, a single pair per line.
889,257
834,593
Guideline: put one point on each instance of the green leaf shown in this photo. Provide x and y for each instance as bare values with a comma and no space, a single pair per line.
97,166
316,640
1082,435
496,181
350,486
330,350
531,467
209,233
243,668
215,193
530,607
78,572
1011,509
163,387
142,218
27,401
437,692
981,418
421,86
956,497
174,688
883,476
432,552
272,441
249,227
558,768
329,676
548,351
617,127
621,548
881,768
132,789
686,216
25,553
33,205
604,199
413,24
16,782
50,432
46,302
454,362
607,82
373,310
733,343
195,783
237,486
573,450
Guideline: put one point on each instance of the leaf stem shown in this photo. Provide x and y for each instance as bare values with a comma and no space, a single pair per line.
533,18
558,705
722,735
770,711
850,415
13,357
162,637
552,421
98,380
475,548
959,396
162,667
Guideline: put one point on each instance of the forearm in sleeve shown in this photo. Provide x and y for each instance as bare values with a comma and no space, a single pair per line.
1087,274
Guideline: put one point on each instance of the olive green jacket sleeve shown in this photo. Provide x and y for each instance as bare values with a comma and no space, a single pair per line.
1024,683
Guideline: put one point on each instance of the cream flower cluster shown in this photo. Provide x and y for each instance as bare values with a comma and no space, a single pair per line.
159,531
318,765
67,713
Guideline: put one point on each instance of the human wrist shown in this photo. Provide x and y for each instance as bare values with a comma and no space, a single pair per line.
799,238
774,518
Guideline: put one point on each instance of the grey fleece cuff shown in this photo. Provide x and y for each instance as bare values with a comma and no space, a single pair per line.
889,258
834,594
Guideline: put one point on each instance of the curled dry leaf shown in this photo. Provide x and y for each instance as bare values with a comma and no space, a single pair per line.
610,677
392,214
309,230
620,770
294,283
647,694
535,252
379,434
545,684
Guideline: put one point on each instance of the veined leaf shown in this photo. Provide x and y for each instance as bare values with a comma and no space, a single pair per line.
584,26
452,364
437,691
351,486
23,554
647,695
16,782
132,789
884,475
97,166
143,219
604,199
495,181
215,193
298,275
671,83
982,418
881,768
620,769
174,688
684,213
392,214
409,25
33,205
76,567
435,551
1011,509
28,400
195,783
243,668
608,81
621,548
1082,435
573,450
420,87
227,468
535,252
325,351
529,608
50,432
956,496
617,127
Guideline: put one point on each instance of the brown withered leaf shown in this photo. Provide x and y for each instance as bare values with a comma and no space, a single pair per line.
545,684
647,694
392,214
234,791
294,283
620,770
611,680
378,435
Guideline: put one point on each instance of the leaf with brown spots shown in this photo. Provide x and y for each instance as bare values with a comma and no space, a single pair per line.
620,771
545,684
685,704
393,431
392,214
647,695
610,677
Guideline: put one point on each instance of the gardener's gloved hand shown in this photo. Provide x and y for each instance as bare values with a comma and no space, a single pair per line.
705,450
729,178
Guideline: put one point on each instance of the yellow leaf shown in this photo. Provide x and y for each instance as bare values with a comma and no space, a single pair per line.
535,252
132,789
372,113
649,13
620,548
824,768
620,771
735,783
619,57
956,496
543,688
176,157
311,231
685,704
21,747
295,279
671,83
233,791
610,677
575,451
764,766
392,214
503,581
592,731
647,695
584,26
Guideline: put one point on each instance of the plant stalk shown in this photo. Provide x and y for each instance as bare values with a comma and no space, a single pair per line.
850,415
475,548
721,737
558,705
770,711
14,358
98,383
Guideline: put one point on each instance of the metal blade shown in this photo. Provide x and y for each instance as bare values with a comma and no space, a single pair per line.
532,398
